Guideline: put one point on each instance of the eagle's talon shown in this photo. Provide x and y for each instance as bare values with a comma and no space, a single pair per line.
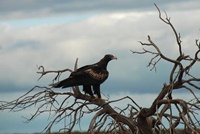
103,99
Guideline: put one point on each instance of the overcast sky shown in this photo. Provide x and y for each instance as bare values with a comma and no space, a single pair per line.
54,33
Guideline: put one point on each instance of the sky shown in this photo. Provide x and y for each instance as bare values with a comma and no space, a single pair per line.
54,33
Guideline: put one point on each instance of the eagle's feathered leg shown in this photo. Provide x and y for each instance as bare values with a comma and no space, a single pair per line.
88,90
96,89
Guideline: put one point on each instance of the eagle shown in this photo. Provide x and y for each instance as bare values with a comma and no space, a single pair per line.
89,76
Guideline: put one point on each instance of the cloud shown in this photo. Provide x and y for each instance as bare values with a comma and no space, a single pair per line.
56,46
35,8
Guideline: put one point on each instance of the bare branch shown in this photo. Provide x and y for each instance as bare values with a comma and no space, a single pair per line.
167,21
43,72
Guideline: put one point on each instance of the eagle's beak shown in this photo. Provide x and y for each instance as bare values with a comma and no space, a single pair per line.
114,58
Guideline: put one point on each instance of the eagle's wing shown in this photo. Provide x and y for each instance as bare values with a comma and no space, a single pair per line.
91,72
81,71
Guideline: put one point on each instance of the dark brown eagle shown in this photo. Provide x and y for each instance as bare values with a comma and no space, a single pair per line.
88,76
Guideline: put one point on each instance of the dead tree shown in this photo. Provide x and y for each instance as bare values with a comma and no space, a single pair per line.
72,106
180,79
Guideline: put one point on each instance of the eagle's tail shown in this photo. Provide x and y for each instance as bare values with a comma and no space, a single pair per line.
65,83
